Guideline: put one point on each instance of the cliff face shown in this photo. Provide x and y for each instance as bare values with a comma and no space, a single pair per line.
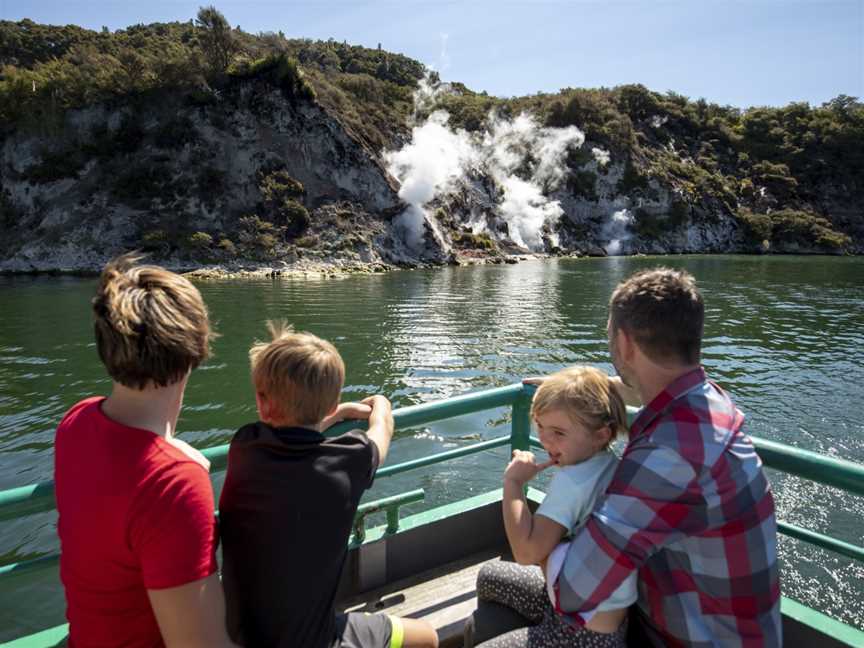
231,179
249,177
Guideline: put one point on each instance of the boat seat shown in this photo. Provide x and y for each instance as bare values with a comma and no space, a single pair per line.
445,597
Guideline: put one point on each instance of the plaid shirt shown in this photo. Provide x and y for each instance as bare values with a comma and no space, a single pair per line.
690,508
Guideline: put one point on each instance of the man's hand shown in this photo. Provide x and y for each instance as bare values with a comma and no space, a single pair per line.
523,467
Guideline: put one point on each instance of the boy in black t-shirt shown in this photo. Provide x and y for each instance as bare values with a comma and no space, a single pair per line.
289,501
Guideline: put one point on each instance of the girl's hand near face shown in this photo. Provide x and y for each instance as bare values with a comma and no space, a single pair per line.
523,467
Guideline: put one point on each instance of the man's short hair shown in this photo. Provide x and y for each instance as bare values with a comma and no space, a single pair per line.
663,311
587,396
299,372
151,324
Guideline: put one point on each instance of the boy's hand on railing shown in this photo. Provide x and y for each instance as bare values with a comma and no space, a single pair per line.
381,424
346,411
523,467
380,408
534,380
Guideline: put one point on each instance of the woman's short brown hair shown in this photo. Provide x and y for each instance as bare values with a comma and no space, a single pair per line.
663,311
587,396
301,373
151,324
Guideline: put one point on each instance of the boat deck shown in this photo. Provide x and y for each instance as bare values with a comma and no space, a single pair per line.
444,596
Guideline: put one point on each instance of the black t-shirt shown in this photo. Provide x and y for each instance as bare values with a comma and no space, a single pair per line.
286,513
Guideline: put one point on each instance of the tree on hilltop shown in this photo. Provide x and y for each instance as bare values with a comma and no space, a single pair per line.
217,40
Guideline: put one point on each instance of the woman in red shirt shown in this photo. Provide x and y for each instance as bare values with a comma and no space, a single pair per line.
136,513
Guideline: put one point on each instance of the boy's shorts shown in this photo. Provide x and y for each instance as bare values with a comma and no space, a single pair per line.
363,630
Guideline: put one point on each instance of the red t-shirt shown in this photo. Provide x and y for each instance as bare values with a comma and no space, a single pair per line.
136,513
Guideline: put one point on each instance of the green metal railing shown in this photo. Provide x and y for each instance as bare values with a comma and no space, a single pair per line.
839,473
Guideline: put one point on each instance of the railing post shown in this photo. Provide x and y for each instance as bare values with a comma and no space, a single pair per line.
520,433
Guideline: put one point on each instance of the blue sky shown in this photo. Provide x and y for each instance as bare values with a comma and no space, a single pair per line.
761,52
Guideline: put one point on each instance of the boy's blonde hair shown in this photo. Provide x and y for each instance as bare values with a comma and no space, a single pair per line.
299,372
587,396
151,325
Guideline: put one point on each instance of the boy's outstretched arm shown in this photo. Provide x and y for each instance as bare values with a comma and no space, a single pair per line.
380,424
531,537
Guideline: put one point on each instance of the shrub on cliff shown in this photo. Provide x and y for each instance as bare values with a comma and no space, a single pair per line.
799,228
757,227
280,70
280,193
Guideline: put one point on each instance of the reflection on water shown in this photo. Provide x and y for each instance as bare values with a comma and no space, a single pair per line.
783,335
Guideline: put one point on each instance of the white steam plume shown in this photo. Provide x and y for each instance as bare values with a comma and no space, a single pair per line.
525,160
434,159
617,230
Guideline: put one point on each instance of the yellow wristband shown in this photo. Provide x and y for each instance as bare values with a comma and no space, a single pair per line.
397,632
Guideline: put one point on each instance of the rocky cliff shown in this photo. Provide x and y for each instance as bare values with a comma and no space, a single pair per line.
268,167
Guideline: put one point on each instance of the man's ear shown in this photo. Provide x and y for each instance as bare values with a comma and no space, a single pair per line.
626,344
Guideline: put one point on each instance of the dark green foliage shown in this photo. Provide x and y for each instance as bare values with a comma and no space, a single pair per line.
56,165
649,226
631,179
210,182
307,241
467,240
258,237
280,193
217,39
227,247
130,135
582,184
45,70
281,71
175,133
200,241
137,184
276,185
789,226
155,241
805,228
757,227
775,178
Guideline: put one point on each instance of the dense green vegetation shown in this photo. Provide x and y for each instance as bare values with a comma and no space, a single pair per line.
45,70
778,170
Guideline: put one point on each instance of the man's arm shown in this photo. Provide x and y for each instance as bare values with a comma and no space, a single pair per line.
648,505
381,424
191,615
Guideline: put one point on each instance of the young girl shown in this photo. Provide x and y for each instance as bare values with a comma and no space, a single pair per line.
578,414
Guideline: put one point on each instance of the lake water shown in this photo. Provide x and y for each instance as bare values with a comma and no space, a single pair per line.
784,335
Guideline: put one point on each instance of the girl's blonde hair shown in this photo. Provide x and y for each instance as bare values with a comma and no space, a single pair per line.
587,396
300,372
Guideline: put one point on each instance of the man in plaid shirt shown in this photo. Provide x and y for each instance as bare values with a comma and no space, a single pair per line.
689,506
